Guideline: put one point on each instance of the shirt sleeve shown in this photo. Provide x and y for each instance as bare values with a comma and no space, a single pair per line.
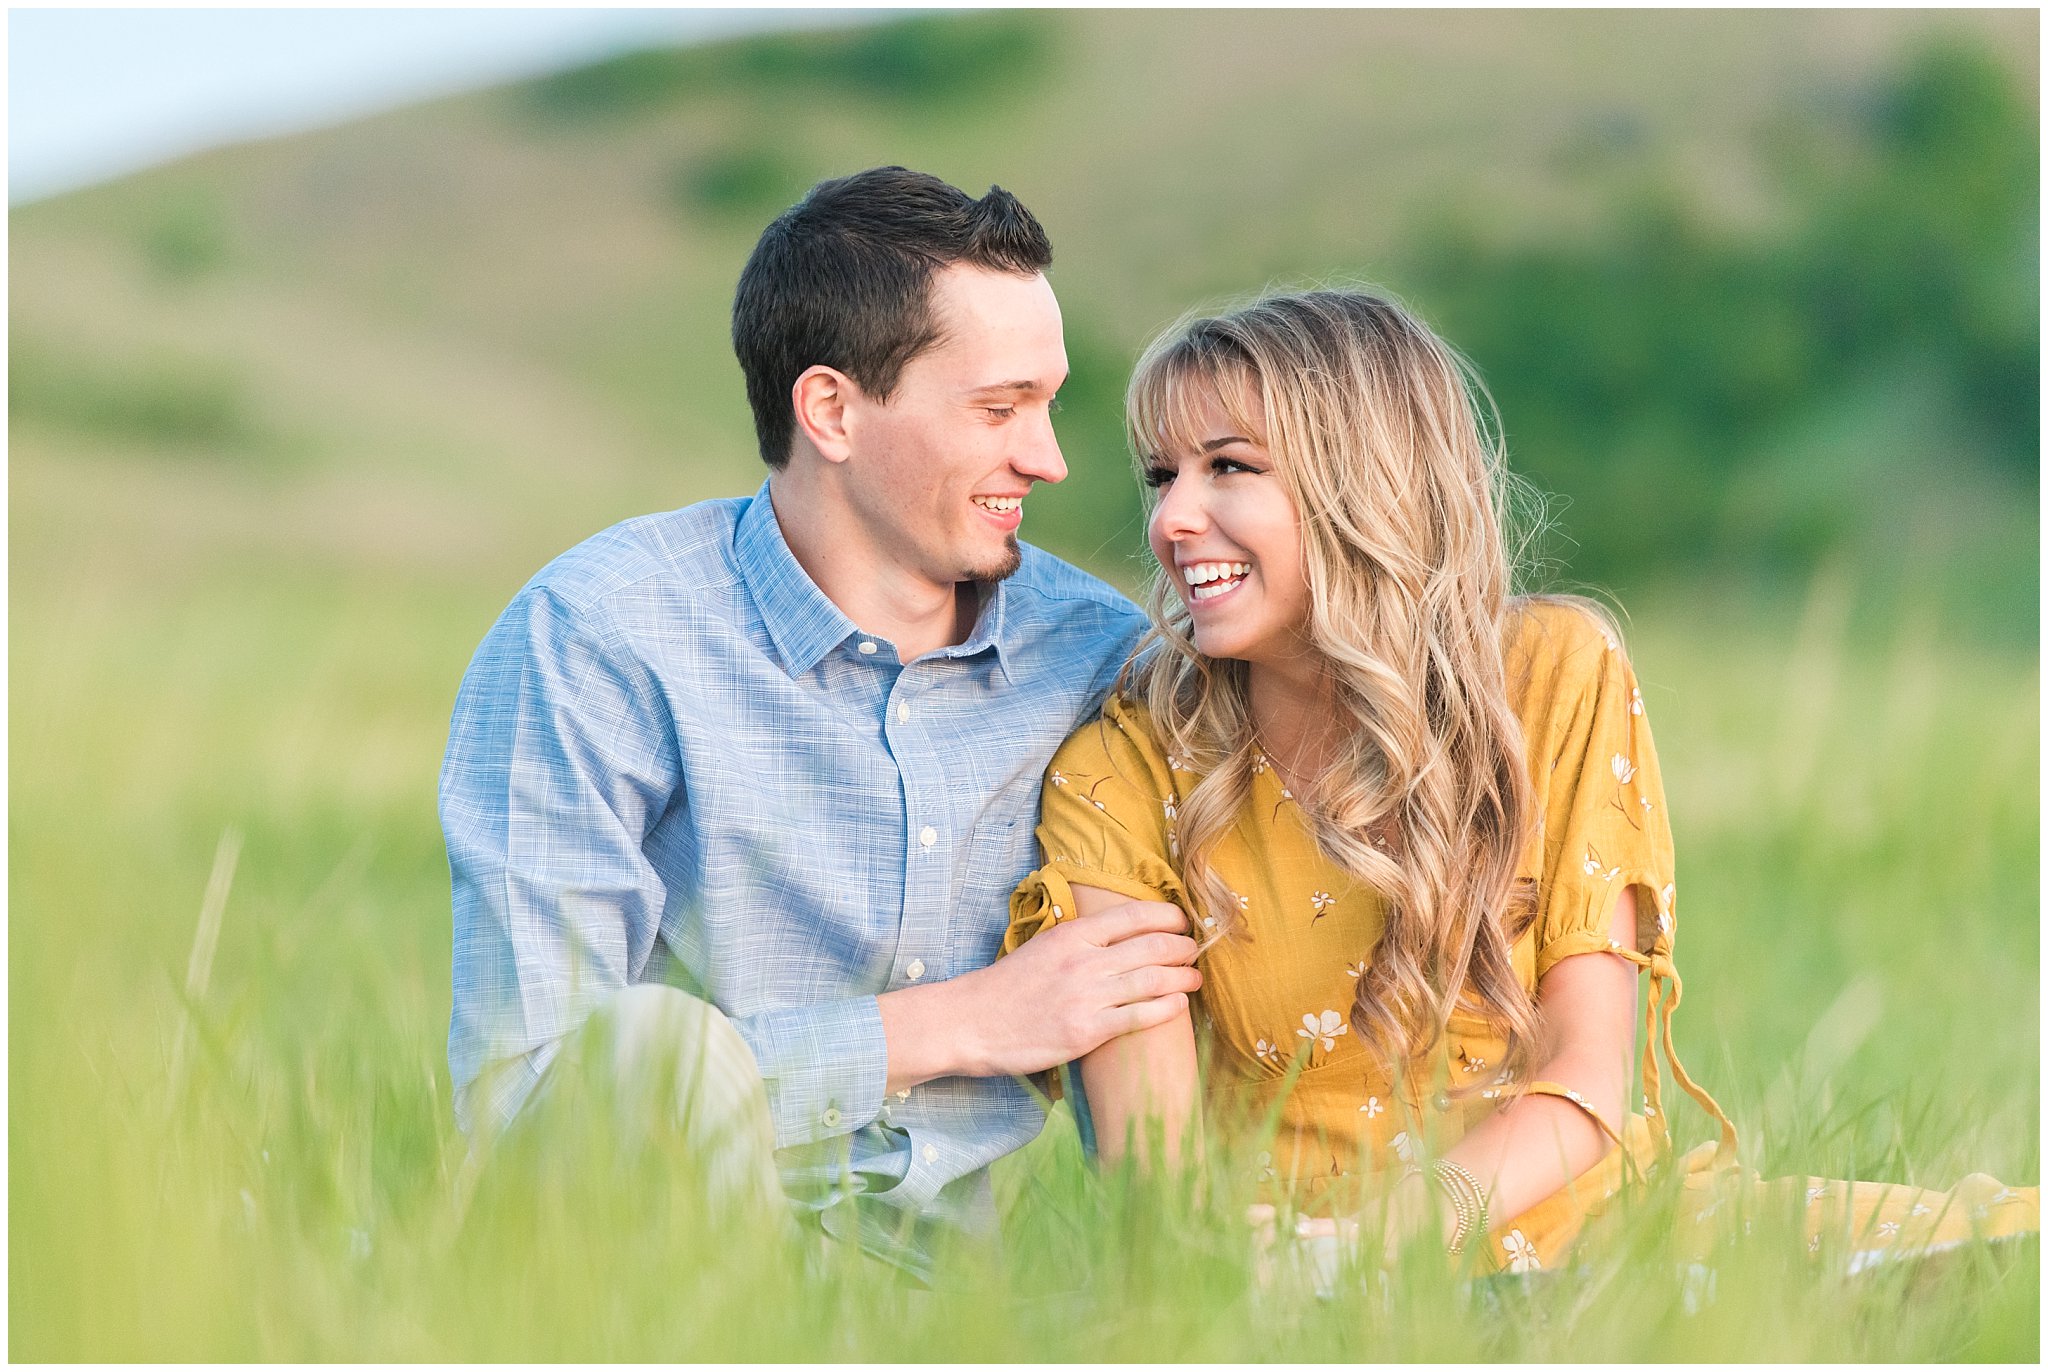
561,759
1600,796
1106,819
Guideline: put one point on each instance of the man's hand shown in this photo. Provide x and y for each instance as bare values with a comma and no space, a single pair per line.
1064,994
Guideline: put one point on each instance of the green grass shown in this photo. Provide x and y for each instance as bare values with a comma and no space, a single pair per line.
268,1168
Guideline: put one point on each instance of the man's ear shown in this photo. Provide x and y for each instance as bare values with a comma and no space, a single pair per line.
820,397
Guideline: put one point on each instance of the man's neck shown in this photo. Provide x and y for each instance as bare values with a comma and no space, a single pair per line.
873,590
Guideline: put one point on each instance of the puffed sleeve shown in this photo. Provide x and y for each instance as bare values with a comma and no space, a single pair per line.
1600,797
1106,820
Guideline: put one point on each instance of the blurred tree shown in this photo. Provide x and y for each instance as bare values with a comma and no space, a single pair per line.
1656,371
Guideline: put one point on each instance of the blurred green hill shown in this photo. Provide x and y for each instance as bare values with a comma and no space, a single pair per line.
1757,292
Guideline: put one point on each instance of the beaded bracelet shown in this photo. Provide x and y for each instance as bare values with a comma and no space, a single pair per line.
1466,1197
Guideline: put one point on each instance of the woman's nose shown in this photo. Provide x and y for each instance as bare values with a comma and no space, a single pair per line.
1180,512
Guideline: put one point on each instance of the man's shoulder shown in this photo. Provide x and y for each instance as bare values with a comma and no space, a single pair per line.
691,546
1049,593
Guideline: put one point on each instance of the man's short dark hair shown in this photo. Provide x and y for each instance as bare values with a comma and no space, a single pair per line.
843,280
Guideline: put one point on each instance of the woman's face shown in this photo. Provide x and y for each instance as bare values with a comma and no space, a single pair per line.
1226,532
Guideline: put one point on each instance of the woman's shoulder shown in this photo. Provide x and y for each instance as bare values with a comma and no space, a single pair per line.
1121,738
1558,650
1553,635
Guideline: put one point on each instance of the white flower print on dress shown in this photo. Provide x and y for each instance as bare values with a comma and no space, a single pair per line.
1172,812
1624,770
1175,762
1918,1210
1475,1064
1814,1194
1258,763
1266,1052
1321,901
1888,1230
1635,701
1403,1146
1355,970
1372,1107
1595,867
1057,778
1521,1254
1323,1030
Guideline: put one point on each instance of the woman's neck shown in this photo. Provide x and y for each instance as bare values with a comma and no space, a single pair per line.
1293,711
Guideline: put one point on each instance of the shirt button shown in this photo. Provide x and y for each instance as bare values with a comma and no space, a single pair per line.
903,712
867,647
904,1094
915,969
931,1154
1441,1100
830,1118
928,836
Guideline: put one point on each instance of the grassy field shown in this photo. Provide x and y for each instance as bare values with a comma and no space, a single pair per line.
243,1149
289,425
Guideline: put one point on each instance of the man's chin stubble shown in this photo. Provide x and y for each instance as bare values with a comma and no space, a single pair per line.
1012,559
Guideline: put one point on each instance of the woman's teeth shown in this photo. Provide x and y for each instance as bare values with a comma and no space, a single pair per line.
1206,580
1001,504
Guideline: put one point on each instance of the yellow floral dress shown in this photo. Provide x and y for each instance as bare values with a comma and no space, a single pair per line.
1277,989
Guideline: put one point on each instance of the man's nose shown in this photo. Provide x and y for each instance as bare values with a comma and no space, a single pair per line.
1040,457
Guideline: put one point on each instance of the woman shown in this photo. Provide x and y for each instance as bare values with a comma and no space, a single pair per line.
1416,823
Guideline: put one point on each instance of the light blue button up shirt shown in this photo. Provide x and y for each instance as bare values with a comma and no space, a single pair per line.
673,758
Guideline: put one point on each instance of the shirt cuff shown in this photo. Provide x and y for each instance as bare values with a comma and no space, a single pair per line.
825,1067
485,1106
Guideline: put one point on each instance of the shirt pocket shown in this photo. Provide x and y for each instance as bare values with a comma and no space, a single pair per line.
1001,852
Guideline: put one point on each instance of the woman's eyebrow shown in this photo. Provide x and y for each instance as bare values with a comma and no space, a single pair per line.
1213,444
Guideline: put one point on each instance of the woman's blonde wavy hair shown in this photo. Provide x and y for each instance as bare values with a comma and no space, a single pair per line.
1399,483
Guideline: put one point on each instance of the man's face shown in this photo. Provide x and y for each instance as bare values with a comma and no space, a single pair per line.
939,472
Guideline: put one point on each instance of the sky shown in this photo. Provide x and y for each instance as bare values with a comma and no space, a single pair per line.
93,94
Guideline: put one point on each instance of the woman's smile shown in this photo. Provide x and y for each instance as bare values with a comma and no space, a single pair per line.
1207,582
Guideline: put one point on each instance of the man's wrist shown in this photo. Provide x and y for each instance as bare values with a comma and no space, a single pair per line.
929,1034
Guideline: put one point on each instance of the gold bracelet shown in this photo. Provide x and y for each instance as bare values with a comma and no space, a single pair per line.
1467,1199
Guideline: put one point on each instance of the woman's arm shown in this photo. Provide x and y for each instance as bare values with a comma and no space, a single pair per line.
1142,1081
1541,1143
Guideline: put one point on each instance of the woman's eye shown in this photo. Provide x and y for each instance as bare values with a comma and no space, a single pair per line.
1231,464
1156,477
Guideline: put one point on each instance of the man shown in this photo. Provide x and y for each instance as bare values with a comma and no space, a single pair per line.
786,750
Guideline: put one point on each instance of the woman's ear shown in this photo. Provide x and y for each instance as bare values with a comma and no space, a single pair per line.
819,397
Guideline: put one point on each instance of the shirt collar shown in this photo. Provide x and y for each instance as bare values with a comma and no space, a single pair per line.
802,620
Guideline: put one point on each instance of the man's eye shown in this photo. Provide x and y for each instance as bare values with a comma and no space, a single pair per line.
1002,411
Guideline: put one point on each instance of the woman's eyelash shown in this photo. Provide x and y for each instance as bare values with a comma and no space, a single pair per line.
1158,476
